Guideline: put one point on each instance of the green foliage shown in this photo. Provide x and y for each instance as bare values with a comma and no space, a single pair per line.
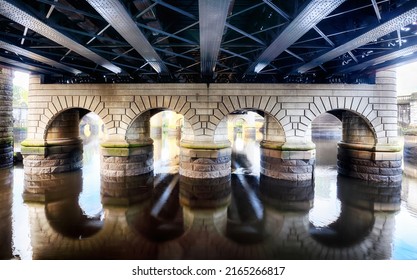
20,96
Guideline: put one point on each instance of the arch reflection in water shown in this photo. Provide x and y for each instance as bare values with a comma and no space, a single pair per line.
180,219
364,228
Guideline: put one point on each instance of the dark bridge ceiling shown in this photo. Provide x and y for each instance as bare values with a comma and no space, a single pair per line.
224,41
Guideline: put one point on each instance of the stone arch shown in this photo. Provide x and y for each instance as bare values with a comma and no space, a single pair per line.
64,124
263,105
61,148
273,130
130,153
356,128
337,106
360,154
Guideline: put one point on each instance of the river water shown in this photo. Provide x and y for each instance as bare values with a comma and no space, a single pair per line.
246,216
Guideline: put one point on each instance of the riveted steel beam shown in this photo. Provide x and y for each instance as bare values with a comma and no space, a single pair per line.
116,14
406,17
212,16
37,57
14,13
307,19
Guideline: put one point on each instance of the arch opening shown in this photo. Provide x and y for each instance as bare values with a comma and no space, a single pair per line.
245,131
71,143
166,131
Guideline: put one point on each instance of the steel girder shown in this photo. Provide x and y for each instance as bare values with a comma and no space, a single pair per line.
314,12
171,30
117,16
14,13
40,58
381,59
212,16
13,64
406,17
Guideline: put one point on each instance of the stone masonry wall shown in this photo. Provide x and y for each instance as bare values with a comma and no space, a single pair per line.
294,106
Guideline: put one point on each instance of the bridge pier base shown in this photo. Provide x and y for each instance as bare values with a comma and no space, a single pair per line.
205,156
45,158
6,116
370,163
131,156
205,160
62,151
290,162
120,159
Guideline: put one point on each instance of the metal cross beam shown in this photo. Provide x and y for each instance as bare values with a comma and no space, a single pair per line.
314,12
116,15
12,12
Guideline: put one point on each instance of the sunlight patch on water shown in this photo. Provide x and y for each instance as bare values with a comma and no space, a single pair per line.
326,205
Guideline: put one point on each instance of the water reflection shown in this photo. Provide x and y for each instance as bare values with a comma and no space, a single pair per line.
6,185
231,223
161,215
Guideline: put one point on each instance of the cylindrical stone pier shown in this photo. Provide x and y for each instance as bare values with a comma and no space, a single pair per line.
370,163
203,156
132,156
61,151
124,191
287,195
49,187
285,159
6,117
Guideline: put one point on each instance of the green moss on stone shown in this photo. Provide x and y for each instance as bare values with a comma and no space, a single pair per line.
32,143
205,146
287,147
115,152
33,150
124,145
7,140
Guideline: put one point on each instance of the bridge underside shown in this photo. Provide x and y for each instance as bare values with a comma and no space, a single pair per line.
224,41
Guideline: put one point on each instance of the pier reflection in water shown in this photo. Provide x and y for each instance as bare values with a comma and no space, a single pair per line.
162,215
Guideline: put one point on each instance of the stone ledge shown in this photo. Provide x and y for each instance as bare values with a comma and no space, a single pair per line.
370,147
205,145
